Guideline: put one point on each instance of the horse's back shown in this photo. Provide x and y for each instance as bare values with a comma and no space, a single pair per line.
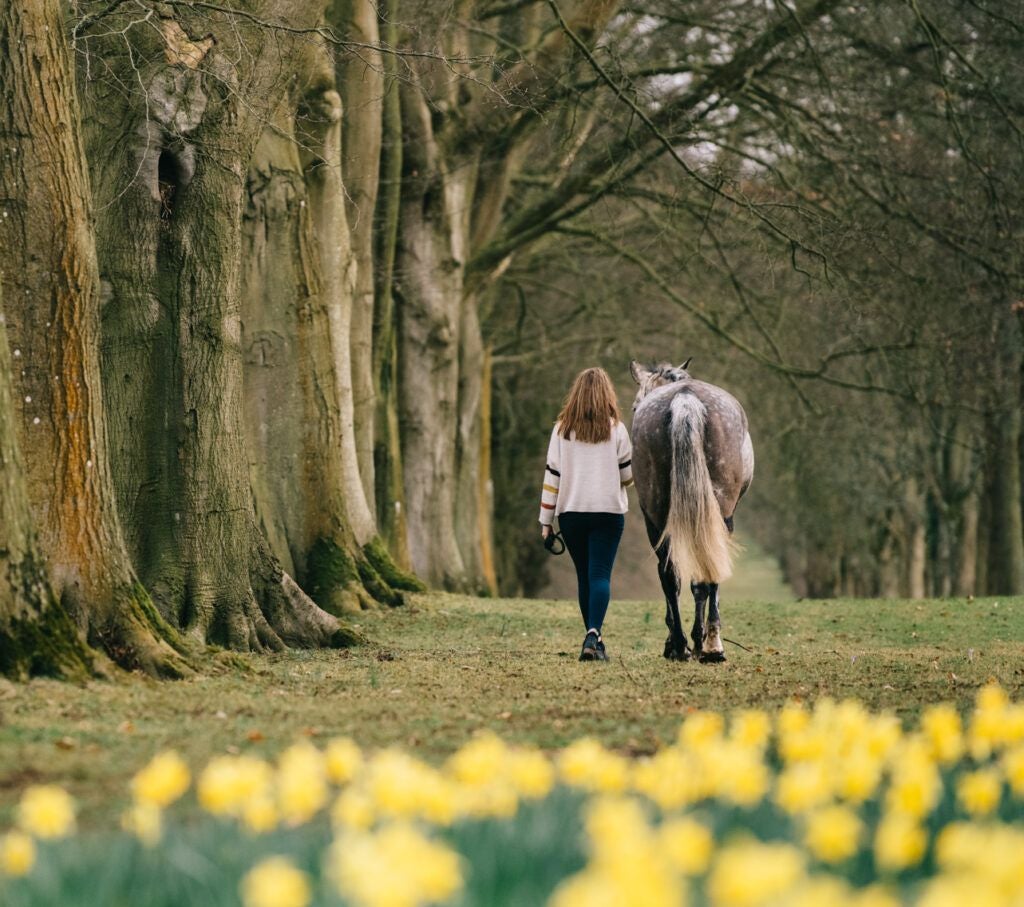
727,446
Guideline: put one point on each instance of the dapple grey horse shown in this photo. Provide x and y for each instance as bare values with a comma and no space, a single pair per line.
692,461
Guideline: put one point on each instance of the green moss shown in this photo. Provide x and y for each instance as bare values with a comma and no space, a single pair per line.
45,645
346,637
377,554
152,617
374,584
329,570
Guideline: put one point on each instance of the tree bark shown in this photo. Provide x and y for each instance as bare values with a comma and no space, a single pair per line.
389,483
965,582
430,259
1005,523
36,635
48,260
361,80
1006,533
915,557
293,414
177,191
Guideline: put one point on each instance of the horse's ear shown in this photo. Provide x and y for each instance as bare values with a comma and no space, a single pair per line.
637,371
686,364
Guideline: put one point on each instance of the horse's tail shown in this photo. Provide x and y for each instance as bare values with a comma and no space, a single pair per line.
699,544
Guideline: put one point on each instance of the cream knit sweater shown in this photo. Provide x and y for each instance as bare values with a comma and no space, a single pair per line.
586,478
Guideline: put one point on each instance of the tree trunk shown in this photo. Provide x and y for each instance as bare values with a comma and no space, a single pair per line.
888,572
965,582
1006,533
293,415
36,635
361,80
430,260
177,193
389,483
1005,524
48,261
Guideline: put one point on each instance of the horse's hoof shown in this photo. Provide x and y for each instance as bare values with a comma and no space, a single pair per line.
711,658
674,654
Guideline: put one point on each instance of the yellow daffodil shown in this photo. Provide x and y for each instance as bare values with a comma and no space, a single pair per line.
941,727
979,792
589,765
701,729
899,842
162,781
628,868
989,721
857,776
819,891
395,867
343,760
670,778
752,728
46,811
802,786
352,810
530,773
275,882
687,844
301,783
228,783
833,834
479,761
17,854
145,821
750,873
260,814
1013,766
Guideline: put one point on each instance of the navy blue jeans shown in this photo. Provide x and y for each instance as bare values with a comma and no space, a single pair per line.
592,540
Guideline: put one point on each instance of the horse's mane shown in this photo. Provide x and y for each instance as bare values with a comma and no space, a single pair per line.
669,372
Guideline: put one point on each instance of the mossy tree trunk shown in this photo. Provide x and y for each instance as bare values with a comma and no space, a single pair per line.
36,635
429,263
173,193
389,486
296,283
50,279
361,81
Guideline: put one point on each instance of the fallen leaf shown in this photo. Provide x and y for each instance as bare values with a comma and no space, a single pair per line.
254,736
65,743
126,727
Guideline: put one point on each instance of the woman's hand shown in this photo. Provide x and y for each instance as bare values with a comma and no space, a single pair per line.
545,531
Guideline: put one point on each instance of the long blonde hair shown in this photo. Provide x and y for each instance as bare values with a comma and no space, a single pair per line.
590,409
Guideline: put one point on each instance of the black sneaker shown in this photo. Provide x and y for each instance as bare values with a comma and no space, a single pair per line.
590,644
601,654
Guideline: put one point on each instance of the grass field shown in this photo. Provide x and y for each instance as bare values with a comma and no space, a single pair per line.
446,666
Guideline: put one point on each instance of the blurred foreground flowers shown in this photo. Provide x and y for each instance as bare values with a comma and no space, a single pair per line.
830,805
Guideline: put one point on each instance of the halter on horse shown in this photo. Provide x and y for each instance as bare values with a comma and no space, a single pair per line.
692,461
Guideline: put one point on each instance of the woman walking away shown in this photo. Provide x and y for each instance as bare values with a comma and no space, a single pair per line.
588,471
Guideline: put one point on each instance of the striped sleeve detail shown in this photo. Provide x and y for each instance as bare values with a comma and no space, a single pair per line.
552,480
625,452
549,495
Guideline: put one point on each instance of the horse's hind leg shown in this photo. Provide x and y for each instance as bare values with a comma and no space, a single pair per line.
712,650
701,592
675,645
